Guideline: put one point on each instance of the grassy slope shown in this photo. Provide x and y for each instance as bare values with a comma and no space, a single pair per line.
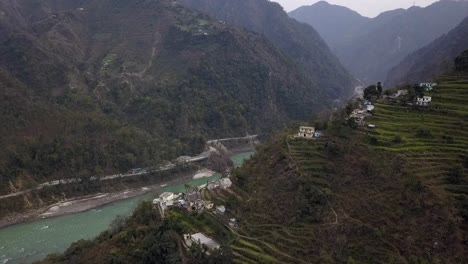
389,203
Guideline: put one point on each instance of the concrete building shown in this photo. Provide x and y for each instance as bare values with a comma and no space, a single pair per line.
221,209
202,239
423,101
225,183
306,132
166,196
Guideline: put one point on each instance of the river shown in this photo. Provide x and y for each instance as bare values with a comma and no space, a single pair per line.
33,241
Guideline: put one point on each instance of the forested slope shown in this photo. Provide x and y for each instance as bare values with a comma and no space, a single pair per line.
97,87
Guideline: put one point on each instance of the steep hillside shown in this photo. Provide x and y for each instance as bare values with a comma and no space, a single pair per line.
298,41
431,60
371,50
387,195
334,23
397,193
107,86
153,240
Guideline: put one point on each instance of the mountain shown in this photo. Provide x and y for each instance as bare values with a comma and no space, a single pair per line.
296,40
396,193
431,60
102,86
334,23
370,50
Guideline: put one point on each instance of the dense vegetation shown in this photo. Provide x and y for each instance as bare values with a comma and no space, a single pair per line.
396,193
431,60
97,87
370,48
298,41
145,238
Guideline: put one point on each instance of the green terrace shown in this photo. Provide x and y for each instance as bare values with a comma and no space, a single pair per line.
434,139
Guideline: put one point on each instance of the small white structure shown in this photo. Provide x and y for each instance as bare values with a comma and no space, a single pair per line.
156,201
424,101
225,183
202,239
208,205
166,196
371,126
221,209
402,92
427,86
306,132
370,108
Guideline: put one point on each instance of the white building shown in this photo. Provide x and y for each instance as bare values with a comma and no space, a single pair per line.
306,132
225,183
202,239
166,196
370,108
424,101
220,209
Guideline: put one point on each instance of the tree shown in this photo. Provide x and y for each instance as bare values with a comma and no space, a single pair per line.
423,133
187,187
352,122
118,224
379,88
371,91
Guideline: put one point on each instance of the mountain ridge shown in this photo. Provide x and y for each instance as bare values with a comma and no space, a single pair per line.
381,43
296,40
87,93
431,60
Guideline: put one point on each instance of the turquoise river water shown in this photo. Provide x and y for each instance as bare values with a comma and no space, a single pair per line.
25,243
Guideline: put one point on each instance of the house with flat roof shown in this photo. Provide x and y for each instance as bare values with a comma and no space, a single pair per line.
306,132
202,239
166,196
424,101
221,209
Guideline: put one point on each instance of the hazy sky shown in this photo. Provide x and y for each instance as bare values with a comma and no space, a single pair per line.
370,8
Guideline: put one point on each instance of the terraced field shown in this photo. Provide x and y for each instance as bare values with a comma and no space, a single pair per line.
275,243
359,198
431,154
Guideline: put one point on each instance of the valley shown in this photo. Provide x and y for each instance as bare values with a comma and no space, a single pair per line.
233,132
35,240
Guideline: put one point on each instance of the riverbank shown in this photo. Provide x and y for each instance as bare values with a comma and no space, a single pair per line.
85,203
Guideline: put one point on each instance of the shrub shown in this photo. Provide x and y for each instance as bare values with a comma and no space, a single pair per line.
424,133
397,139
447,139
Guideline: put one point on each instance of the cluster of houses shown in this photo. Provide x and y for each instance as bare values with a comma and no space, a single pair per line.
419,100
365,110
192,200
308,132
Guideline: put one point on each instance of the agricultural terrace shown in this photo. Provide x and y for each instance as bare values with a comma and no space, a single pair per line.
433,140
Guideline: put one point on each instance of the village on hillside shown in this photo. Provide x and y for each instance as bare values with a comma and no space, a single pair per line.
411,96
193,200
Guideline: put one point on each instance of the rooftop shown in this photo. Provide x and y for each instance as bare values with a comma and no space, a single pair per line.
166,194
204,240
